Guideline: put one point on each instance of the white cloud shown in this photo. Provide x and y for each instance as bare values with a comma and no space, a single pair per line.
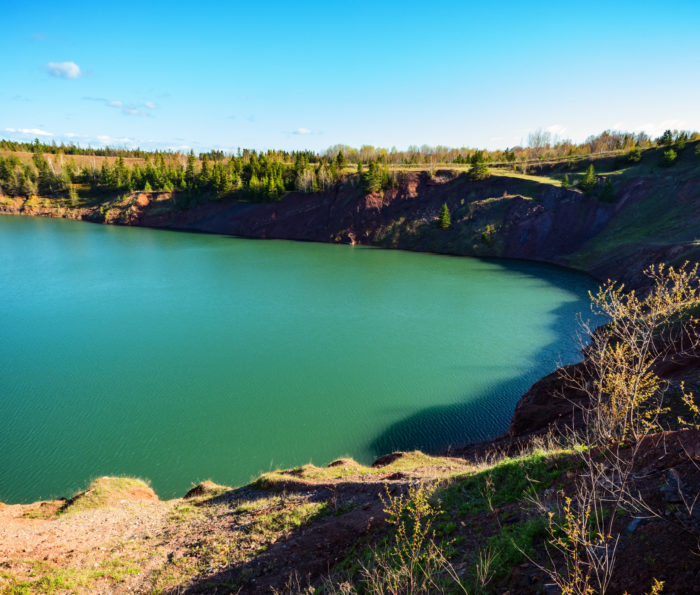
128,109
31,131
133,111
653,129
301,131
556,129
658,128
105,139
64,70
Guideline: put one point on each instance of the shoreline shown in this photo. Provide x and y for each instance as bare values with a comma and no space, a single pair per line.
442,451
345,215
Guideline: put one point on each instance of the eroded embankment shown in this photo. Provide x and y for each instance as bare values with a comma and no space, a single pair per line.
311,523
314,526
654,218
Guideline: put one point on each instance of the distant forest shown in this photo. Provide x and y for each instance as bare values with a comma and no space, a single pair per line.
253,175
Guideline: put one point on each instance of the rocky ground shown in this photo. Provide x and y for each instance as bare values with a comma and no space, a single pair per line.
312,526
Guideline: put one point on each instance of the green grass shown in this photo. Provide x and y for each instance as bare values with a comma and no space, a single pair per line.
405,462
279,514
515,543
549,180
48,578
105,491
512,480
287,519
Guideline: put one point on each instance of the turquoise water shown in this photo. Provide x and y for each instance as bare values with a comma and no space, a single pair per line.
180,357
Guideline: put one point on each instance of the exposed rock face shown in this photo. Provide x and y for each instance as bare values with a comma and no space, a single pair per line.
551,402
553,224
497,217
548,403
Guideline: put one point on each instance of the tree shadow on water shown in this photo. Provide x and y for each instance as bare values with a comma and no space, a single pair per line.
487,414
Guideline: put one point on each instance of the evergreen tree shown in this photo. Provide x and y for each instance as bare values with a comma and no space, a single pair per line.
205,174
189,170
666,138
254,184
668,158
445,220
588,182
73,196
372,180
565,182
26,183
635,155
479,170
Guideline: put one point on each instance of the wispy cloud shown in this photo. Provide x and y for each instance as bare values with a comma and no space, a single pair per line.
128,109
64,70
29,131
301,131
105,139
653,128
556,129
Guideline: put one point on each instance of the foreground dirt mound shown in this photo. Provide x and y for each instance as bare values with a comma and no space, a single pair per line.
306,526
206,489
110,491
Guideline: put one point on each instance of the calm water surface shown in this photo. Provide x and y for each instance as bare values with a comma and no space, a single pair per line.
180,357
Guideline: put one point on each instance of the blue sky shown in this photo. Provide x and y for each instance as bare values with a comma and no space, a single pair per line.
312,74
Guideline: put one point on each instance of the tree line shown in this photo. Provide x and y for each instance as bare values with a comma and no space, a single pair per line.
249,175
253,175
540,145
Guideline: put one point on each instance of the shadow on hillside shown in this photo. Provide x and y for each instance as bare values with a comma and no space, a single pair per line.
308,550
487,415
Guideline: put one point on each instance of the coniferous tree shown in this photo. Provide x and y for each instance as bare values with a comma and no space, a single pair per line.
26,183
189,170
479,170
73,196
445,219
588,182
372,180
668,158
635,155
666,138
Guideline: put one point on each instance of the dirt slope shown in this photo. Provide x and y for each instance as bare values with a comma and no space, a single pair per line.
655,216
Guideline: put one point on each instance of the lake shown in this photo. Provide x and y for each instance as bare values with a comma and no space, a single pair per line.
180,357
